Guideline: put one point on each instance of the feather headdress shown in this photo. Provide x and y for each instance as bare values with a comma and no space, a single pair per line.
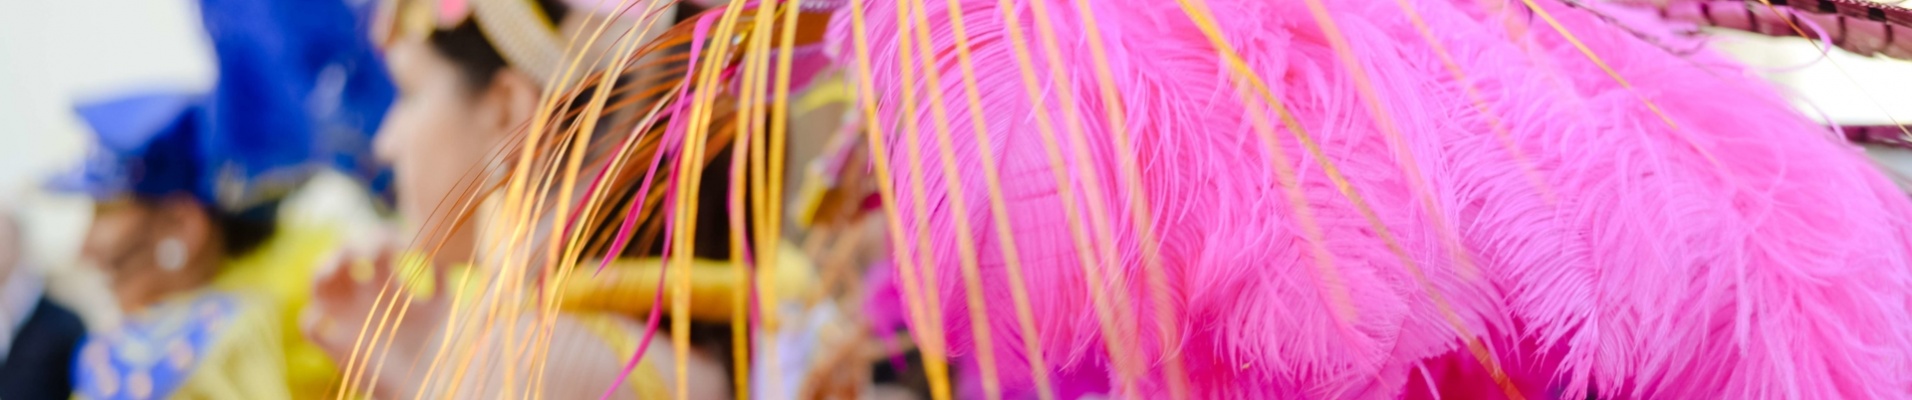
1311,199
1244,199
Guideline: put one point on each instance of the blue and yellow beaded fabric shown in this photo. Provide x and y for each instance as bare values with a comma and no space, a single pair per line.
153,354
235,339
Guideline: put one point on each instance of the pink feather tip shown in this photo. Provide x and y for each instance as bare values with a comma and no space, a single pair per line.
453,12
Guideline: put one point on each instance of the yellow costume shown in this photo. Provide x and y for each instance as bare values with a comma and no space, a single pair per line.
629,286
612,304
236,339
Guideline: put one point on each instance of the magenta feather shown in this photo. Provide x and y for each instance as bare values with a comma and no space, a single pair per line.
1743,254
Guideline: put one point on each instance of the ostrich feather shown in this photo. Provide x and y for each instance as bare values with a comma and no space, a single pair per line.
1731,249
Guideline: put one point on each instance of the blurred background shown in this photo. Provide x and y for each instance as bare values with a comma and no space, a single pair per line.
56,53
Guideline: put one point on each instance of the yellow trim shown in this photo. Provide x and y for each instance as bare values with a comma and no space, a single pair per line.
824,92
628,287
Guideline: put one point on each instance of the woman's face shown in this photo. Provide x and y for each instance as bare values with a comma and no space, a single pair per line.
439,128
149,251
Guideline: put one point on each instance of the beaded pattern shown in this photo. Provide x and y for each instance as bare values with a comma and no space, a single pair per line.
152,355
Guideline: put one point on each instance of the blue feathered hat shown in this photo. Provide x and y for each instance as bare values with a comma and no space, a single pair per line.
299,89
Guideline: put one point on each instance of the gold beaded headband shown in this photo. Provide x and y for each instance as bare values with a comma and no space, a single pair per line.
518,29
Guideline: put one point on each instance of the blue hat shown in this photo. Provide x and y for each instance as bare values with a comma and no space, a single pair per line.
142,146
299,89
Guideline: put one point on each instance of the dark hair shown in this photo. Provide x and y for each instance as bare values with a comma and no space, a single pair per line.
242,233
467,48
713,236
239,233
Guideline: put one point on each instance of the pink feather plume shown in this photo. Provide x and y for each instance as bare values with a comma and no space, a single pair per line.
1744,254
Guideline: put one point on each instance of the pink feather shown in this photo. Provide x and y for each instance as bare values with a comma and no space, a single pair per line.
1777,271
